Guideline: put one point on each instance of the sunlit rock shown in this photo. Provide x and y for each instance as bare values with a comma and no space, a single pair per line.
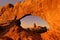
48,10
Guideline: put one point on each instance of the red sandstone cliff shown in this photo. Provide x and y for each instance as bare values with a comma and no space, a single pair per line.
48,10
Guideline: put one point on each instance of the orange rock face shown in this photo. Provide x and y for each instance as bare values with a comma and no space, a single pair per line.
48,10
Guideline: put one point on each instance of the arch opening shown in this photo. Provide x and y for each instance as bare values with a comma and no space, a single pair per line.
31,22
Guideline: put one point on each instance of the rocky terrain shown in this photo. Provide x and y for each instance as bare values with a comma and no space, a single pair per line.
48,10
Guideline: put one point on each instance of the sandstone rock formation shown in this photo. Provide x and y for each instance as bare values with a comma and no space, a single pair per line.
48,10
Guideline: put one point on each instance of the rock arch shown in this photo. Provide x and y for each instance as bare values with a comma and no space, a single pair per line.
48,10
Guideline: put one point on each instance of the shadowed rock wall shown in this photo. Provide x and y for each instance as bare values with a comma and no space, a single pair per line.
48,10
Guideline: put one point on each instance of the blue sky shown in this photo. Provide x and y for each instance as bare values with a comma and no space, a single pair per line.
29,20
3,2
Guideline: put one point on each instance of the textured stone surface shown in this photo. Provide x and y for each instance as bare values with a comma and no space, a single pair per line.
48,10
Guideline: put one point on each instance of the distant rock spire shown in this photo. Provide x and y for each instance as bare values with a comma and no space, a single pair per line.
34,25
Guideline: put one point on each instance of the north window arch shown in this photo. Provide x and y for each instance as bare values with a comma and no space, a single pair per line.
28,21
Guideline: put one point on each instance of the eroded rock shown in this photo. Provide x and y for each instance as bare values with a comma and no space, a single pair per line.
48,10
